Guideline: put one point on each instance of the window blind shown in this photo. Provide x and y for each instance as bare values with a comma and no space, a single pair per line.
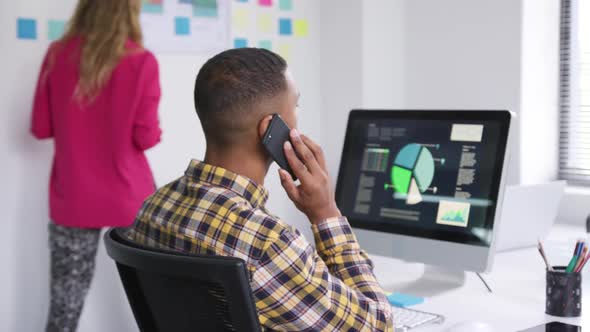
574,98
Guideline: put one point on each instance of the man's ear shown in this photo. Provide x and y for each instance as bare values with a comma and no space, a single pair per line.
263,125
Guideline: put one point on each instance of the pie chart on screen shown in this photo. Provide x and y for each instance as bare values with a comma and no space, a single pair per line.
412,172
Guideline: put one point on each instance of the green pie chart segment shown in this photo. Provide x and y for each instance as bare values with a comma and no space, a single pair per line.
401,178
413,161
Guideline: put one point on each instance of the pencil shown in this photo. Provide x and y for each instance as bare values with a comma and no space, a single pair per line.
581,258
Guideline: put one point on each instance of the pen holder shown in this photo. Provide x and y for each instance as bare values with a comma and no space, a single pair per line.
564,293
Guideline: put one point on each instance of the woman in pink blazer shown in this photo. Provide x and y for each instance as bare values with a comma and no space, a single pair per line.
97,96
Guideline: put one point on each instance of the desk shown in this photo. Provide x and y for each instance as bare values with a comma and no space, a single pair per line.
517,280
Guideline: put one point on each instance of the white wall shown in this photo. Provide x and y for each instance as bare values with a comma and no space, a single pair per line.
26,162
340,71
383,54
539,102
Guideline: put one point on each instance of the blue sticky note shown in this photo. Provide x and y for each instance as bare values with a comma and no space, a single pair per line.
285,26
152,8
26,28
404,300
267,44
182,26
55,29
285,4
240,42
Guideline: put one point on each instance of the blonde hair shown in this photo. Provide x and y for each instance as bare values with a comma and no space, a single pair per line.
104,26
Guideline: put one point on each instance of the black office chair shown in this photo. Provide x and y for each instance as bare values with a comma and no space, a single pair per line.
177,292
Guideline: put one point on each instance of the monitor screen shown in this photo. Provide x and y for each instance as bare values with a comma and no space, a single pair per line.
430,174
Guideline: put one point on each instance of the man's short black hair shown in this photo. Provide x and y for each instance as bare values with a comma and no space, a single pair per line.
230,85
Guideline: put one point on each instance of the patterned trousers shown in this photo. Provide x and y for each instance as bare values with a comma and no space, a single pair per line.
73,253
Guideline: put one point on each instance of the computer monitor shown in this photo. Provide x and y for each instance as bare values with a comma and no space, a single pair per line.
425,186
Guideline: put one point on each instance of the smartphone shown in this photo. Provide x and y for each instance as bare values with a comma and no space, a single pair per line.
274,139
554,327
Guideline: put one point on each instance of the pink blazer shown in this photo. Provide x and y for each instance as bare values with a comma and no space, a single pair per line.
100,175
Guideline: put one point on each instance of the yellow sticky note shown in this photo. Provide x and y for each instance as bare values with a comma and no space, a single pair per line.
265,23
240,19
301,28
284,50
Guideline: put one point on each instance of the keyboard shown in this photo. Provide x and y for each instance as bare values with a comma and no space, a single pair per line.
405,319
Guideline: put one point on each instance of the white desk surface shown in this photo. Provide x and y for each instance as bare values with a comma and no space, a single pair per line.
517,280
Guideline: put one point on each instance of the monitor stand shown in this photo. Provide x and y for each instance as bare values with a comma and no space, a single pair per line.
434,281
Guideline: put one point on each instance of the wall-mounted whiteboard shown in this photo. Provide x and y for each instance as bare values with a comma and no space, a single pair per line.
186,26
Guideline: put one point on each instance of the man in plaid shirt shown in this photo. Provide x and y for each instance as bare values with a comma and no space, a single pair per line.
218,206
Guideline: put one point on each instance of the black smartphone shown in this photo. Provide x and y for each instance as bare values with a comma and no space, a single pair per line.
274,138
554,327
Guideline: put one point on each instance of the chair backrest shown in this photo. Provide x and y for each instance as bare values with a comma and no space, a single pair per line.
173,291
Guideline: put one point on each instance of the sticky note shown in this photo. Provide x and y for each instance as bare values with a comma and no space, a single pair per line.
301,28
267,44
240,42
240,19
264,23
242,0
404,300
152,8
285,27
182,26
204,12
26,28
265,3
284,50
285,4
55,29
205,8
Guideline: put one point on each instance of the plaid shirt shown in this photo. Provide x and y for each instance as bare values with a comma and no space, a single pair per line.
296,287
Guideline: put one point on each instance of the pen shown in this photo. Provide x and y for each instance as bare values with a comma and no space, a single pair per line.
580,247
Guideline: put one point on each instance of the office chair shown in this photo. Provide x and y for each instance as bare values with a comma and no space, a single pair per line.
173,291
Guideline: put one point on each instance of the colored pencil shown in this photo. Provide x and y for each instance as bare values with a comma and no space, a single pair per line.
581,267
581,257
574,260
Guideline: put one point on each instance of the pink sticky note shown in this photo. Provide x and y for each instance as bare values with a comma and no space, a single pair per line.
266,3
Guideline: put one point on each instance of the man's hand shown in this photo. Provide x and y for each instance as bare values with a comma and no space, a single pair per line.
314,196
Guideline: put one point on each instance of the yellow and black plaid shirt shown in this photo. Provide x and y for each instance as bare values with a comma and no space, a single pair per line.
296,287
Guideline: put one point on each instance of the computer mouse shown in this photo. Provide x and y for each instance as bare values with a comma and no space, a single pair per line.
471,326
